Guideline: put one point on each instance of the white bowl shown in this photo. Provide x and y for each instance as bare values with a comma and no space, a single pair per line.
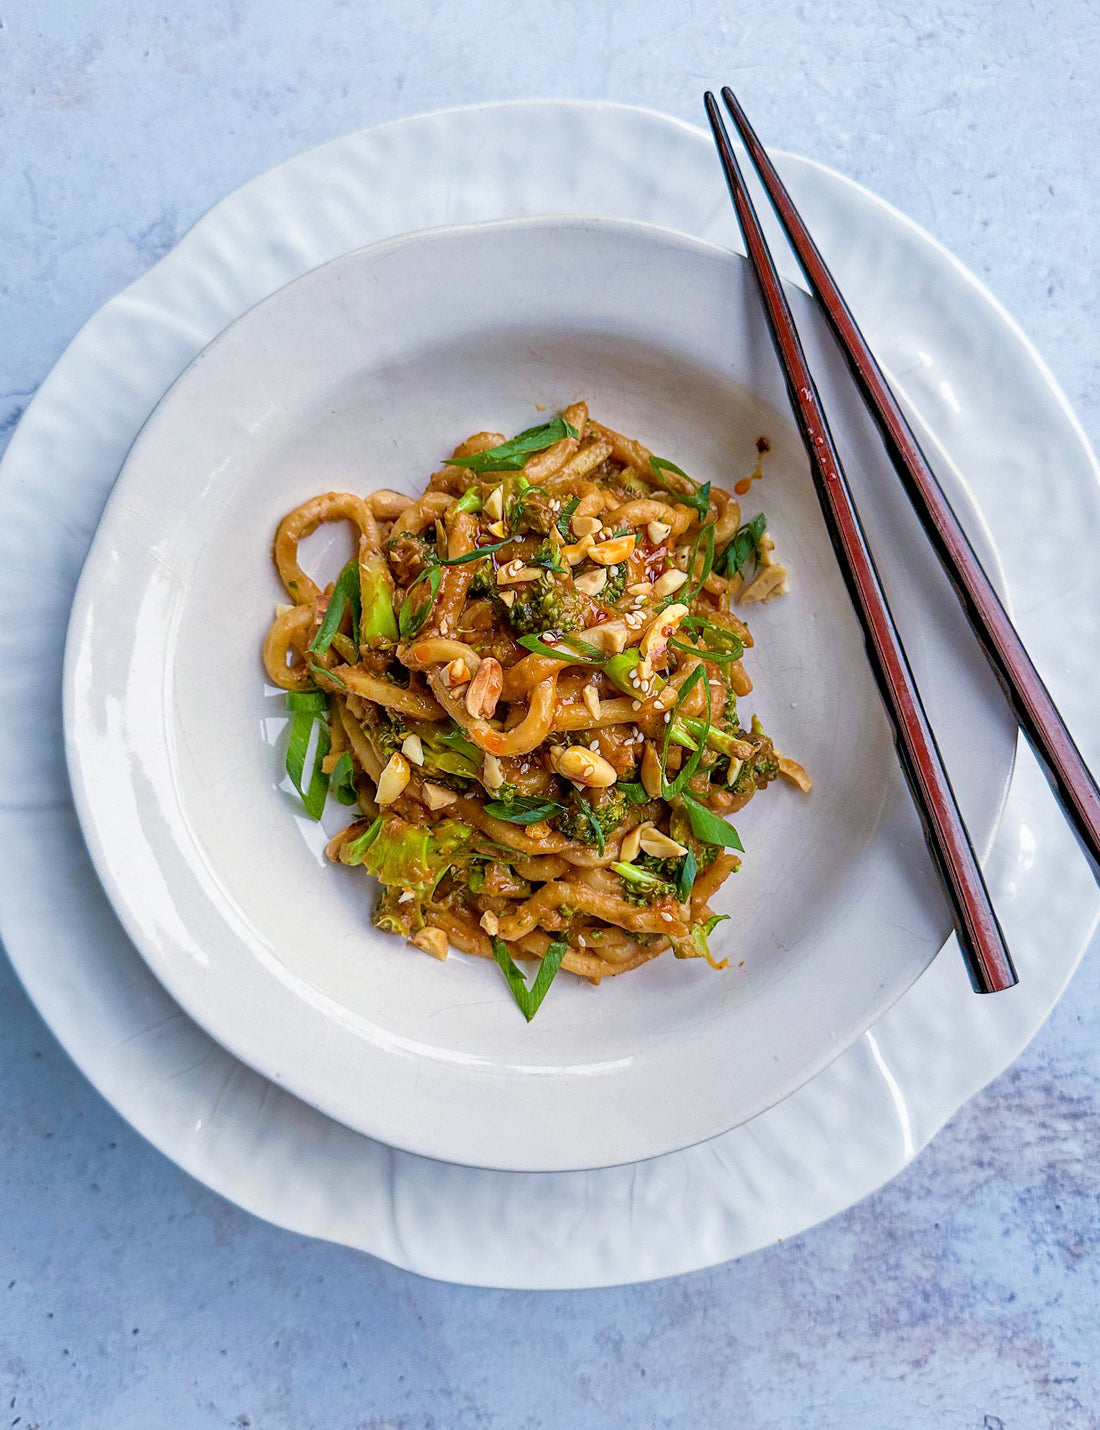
363,374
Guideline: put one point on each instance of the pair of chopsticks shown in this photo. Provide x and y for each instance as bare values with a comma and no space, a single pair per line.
980,936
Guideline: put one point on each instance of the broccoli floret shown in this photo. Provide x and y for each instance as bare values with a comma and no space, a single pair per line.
593,821
447,751
407,858
546,606
696,945
643,886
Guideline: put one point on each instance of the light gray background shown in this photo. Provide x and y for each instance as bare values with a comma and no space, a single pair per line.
964,1294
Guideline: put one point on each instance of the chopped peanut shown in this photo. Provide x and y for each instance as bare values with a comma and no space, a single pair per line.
483,691
433,941
583,766
393,779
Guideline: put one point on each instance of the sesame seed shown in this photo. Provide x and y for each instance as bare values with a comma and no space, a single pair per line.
635,705
668,716
580,940
667,917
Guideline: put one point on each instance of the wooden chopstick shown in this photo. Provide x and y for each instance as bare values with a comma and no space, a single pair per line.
980,936
1035,711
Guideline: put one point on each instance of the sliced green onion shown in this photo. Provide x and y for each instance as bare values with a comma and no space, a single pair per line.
618,668
523,810
468,501
457,741
510,456
707,826
634,791
530,999
698,497
341,782
410,620
579,653
565,516
689,867
477,553
302,724
344,593
679,784
746,541
726,646
593,824
301,700
316,670
706,536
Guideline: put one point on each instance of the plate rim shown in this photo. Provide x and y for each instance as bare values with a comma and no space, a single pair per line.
209,1163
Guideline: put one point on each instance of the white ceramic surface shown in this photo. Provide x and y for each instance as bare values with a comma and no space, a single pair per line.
963,364
364,373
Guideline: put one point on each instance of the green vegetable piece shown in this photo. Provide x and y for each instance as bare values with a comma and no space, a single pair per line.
413,616
409,857
345,593
618,668
707,826
565,516
643,884
697,497
699,946
633,791
376,593
529,1000
578,652
522,810
672,790
322,670
745,543
477,553
341,782
510,456
468,501
689,867
304,717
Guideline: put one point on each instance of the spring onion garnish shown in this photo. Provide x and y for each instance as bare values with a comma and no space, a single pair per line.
634,791
477,553
593,823
411,619
550,562
724,647
529,999
468,501
706,536
565,516
522,810
341,782
344,593
579,652
707,826
745,543
698,497
315,670
672,790
308,709
510,456
689,867
458,742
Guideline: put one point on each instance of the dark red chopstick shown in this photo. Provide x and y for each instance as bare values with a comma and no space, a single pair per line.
980,936
1031,703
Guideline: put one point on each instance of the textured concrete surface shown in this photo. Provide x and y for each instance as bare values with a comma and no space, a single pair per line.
965,1293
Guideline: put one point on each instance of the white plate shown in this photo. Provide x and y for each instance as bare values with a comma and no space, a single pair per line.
1001,418
365,373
